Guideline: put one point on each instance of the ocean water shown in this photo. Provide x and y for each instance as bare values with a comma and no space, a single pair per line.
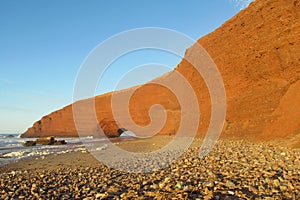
12,149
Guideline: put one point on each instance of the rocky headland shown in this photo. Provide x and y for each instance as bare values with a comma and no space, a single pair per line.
257,53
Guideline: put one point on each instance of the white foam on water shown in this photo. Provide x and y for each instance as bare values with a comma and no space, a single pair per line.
12,149
128,134
14,154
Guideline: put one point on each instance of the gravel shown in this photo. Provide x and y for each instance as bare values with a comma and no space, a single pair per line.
233,170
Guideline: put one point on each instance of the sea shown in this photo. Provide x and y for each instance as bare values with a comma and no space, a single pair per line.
12,148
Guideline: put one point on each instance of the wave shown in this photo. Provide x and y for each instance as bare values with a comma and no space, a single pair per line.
128,134
12,149
4,135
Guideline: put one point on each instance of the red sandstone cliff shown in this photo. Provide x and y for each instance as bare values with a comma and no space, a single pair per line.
258,55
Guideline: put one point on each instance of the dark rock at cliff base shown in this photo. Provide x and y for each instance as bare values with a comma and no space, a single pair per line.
30,143
60,142
121,130
46,141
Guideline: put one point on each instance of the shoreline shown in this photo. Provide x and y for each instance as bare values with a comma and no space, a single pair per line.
233,169
126,143
135,145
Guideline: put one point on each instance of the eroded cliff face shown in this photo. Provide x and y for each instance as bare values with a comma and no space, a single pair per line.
258,55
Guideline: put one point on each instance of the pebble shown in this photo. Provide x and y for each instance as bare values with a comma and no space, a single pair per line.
233,170
230,192
178,186
209,184
229,184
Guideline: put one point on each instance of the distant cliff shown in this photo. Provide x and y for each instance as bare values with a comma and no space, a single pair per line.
258,55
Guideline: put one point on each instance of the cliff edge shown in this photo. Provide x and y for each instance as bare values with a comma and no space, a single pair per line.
258,55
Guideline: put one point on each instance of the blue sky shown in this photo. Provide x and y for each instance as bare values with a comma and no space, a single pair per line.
43,44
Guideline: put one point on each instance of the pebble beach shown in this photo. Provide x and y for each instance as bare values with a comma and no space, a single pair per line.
232,170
